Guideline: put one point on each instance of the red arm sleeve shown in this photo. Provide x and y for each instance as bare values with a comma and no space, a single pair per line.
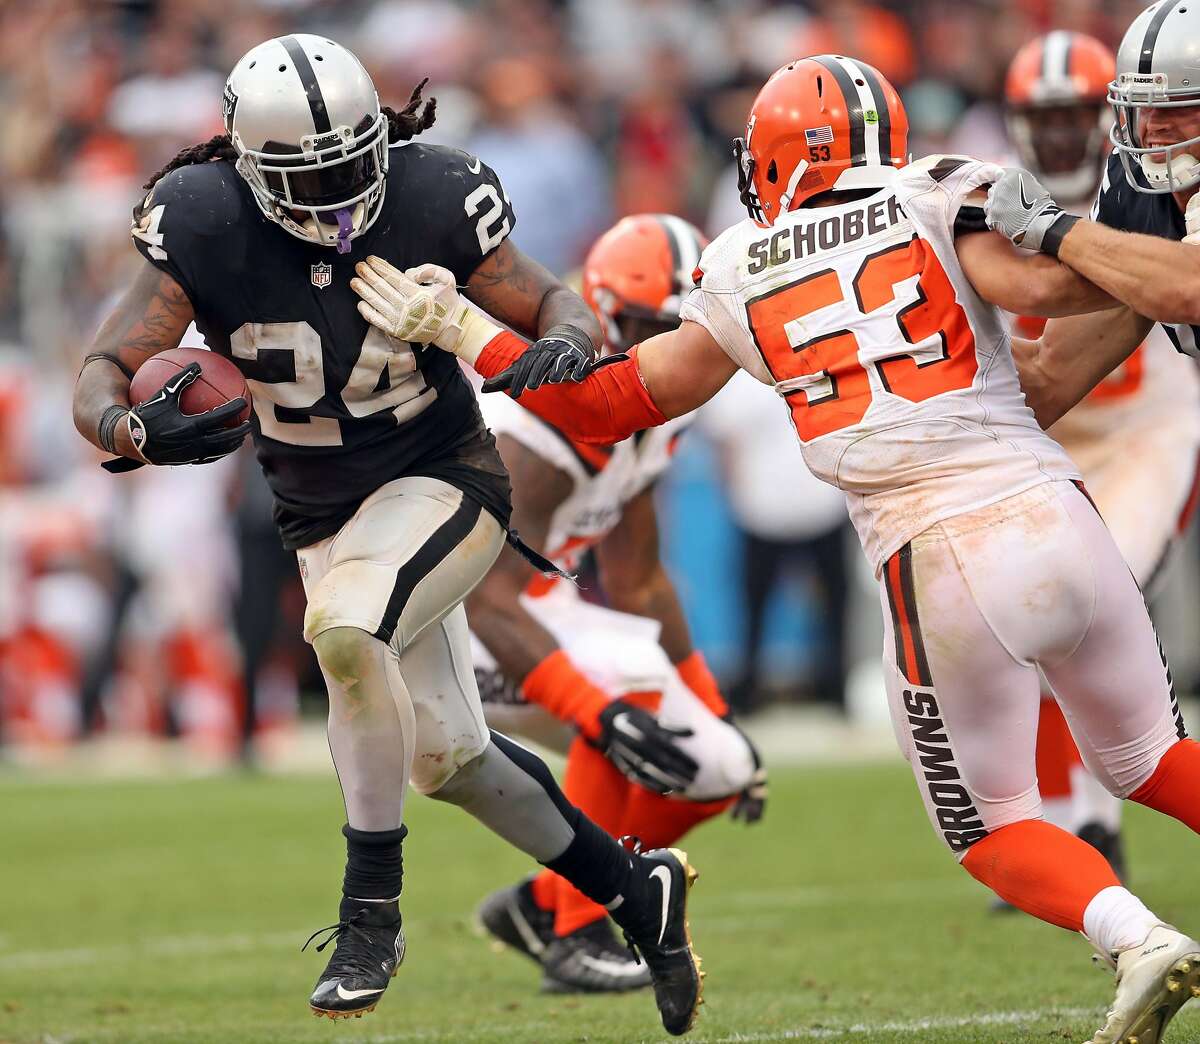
610,405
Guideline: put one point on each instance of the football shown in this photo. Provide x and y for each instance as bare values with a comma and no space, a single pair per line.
218,383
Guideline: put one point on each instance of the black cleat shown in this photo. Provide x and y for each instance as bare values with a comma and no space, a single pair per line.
511,917
370,947
591,960
666,945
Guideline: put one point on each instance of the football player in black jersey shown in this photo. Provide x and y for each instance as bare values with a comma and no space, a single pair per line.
386,483
1149,189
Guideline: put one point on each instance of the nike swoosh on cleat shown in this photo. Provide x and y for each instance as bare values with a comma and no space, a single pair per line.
618,969
663,874
346,994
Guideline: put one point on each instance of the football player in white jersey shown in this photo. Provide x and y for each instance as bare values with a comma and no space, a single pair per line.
1058,121
620,690
862,290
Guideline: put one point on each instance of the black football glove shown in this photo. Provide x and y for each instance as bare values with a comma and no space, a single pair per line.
644,749
564,353
751,803
164,434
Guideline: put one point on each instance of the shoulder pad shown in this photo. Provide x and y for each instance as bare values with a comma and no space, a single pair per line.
420,158
940,166
716,258
204,198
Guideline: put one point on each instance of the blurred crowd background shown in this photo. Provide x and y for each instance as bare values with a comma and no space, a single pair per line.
161,603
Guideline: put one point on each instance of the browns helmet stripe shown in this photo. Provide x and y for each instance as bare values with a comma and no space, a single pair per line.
885,114
1056,56
685,251
1146,62
312,89
854,112
866,103
673,244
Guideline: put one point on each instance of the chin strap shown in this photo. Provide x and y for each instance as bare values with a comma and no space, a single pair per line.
345,222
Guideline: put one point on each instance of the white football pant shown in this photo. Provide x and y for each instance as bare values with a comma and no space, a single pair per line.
972,608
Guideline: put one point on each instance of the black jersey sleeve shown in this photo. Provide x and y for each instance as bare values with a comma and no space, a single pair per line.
180,224
480,215
486,220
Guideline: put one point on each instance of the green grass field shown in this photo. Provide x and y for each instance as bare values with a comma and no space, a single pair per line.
174,912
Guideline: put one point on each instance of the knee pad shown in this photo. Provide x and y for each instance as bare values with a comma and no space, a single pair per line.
344,653
353,594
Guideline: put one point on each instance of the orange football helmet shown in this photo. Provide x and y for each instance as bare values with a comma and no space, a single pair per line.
819,124
1057,111
637,275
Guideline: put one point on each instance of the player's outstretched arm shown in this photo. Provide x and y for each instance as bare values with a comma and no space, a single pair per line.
151,317
525,296
1155,277
608,400
663,377
1024,283
1073,355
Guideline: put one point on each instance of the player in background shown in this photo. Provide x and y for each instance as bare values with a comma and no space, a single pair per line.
1139,244
619,689
1135,437
386,482
861,289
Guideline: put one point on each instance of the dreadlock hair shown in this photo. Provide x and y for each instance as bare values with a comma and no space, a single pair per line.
418,115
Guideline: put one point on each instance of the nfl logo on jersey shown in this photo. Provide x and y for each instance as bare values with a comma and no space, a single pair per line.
322,275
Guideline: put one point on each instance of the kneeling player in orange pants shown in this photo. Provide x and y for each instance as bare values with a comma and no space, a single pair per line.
619,689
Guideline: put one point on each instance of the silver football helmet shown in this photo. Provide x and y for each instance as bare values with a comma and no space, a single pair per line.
1158,66
311,139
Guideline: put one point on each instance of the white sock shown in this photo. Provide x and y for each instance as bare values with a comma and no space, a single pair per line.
1060,812
1094,804
1116,919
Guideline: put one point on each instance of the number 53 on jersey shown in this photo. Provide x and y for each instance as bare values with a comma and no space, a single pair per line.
900,294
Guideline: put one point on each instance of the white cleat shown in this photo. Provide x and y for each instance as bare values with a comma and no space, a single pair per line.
1154,981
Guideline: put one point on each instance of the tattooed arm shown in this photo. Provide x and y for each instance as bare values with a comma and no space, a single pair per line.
151,317
526,297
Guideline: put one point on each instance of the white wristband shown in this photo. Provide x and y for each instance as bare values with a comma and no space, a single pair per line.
476,331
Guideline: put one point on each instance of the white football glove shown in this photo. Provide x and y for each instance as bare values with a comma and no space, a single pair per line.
422,306
1191,218
1020,208
419,306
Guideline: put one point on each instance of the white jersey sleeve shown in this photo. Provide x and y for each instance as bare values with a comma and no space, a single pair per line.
714,302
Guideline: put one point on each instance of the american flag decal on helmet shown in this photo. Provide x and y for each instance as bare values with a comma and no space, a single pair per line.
819,135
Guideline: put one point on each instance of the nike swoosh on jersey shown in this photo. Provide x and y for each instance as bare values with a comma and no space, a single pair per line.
475,167
664,878
346,994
